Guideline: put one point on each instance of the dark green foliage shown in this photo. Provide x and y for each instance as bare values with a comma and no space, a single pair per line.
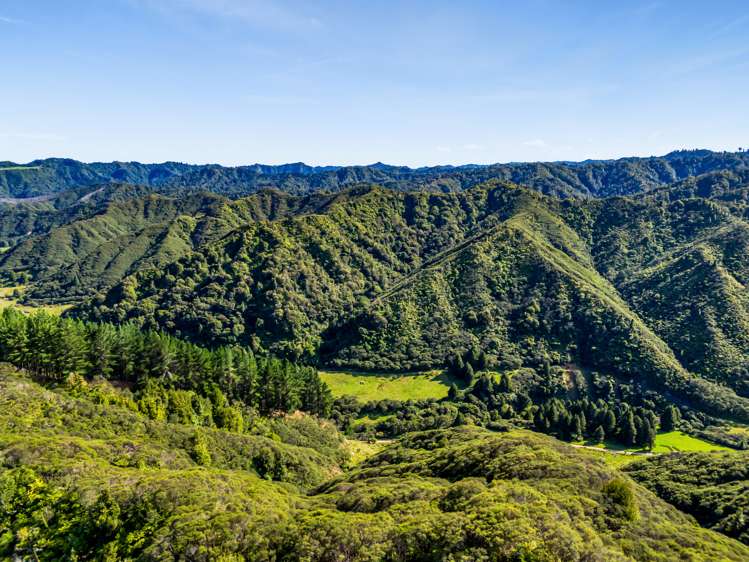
599,434
173,377
671,418
714,487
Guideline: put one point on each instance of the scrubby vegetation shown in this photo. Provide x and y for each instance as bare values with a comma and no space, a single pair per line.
92,478
714,487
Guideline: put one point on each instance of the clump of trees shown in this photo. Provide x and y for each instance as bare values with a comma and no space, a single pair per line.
464,366
53,349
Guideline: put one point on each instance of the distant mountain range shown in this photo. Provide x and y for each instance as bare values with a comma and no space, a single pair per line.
597,178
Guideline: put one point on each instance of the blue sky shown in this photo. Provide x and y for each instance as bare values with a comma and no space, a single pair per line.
354,82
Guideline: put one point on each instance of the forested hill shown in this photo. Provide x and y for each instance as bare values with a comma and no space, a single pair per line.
590,178
647,289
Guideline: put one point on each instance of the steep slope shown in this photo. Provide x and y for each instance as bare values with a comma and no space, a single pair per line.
523,294
393,281
85,479
700,307
713,487
286,281
113,231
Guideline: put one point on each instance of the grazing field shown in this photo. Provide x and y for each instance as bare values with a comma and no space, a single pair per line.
7,299
371,386
668,442
674,441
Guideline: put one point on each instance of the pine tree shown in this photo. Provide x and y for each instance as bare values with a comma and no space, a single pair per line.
671,419
609,423
469,374
101,338
599,435
576,431
650,434
627,429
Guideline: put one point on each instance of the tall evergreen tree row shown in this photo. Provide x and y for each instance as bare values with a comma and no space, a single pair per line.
54,348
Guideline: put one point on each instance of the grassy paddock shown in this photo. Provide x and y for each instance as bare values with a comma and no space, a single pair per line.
7,299
667,442
375,386
674,441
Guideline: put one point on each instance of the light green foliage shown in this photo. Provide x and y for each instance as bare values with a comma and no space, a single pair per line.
162,491
200,452
674,441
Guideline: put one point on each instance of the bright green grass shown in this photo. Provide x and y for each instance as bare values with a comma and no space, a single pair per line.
19,168
678,441
672,442
370,386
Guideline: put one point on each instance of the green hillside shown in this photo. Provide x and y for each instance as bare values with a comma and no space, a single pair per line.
578,179
376,279
83,475
711,486
375,363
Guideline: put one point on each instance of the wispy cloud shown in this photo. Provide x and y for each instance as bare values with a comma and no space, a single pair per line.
473,146
12,21
731,26
647,9
548,149
511,94
262,13
707,60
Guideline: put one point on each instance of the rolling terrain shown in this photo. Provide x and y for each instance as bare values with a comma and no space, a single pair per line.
378,279
82,477
175,410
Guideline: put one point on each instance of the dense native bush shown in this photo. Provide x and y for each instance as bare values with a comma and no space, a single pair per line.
714,487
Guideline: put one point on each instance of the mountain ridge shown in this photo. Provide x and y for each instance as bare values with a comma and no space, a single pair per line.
596,178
